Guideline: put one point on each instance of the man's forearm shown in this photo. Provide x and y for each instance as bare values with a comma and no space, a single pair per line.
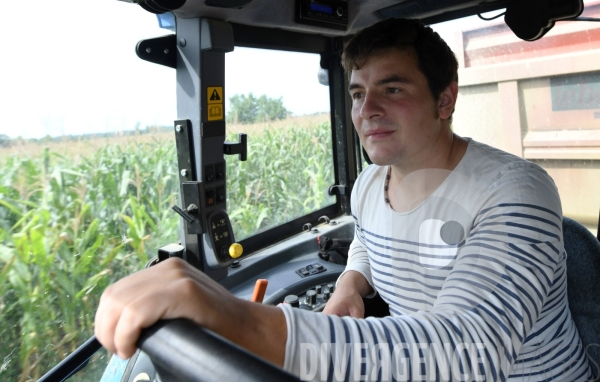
354,280
264,332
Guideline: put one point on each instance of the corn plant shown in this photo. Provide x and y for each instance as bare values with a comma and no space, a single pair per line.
70,226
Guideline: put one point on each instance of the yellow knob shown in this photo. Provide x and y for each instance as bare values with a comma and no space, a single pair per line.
236,250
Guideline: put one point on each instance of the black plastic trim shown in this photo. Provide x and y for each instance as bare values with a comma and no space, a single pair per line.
73,363
285,230
269,38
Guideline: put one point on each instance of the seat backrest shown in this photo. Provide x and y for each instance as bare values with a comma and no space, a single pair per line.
583,287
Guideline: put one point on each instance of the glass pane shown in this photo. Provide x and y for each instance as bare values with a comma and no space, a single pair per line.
275,97
539,100
87,170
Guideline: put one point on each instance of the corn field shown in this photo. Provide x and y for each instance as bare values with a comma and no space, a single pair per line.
69,228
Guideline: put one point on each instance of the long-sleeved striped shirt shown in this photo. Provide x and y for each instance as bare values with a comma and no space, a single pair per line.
475,278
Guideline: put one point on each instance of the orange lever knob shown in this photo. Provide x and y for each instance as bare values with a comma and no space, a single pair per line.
259,290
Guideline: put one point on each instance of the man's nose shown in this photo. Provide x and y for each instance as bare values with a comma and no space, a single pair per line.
371,107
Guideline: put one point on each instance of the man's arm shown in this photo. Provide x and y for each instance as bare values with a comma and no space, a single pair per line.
347,298
175,289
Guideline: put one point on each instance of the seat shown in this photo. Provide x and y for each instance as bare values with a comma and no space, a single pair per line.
583,287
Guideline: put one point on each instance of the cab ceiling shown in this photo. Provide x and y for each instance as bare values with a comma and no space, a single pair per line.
281,13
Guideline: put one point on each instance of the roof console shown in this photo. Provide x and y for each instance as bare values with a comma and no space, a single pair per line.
323,13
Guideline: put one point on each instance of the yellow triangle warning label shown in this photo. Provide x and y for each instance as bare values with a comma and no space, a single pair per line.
214,94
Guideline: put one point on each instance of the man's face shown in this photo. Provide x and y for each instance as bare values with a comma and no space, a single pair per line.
393,110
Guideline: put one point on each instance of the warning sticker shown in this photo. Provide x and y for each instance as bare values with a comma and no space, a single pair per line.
214,94
215,112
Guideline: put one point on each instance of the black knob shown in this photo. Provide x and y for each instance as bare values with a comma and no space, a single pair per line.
331,287
311,297
292,300
318,289
327,295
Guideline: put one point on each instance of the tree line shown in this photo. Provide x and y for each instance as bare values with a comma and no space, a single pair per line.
248,109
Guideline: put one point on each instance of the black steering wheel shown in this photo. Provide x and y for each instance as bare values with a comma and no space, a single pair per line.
184,352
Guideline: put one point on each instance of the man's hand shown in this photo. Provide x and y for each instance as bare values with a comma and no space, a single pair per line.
175,289
347,298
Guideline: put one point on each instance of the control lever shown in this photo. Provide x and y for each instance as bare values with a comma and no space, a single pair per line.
259,290
183,213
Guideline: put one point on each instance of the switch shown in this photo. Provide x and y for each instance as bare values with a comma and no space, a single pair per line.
220,194
210,198
220,171
310,270
209,173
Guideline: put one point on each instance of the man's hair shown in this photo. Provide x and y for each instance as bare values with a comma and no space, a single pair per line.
434,58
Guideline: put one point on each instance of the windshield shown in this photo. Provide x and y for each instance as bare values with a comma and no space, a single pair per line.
87,170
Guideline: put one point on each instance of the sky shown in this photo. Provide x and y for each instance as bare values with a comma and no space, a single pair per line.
68,67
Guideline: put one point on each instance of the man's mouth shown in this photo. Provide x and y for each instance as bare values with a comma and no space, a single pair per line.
379,133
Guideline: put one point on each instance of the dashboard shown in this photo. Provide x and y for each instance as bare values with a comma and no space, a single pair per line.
296,275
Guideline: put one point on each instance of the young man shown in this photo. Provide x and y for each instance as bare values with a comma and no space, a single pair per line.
463,241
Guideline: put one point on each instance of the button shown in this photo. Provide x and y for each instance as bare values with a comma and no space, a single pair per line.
220,170
304,273
309,267
292,300
235,250
318,266
210,198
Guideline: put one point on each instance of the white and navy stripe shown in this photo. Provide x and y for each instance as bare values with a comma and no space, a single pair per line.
502,289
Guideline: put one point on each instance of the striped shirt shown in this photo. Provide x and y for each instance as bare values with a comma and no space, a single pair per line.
475,278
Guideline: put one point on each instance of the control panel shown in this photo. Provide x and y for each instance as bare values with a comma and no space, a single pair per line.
313,299
221,235
310,270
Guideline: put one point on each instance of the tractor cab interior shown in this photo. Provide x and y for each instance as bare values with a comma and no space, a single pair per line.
529,83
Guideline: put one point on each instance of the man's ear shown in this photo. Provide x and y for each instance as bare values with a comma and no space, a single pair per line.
447,100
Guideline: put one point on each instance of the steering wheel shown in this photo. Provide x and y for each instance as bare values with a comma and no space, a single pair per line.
184,352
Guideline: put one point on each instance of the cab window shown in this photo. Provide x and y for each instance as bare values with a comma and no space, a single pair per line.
88,172
275,97
539,100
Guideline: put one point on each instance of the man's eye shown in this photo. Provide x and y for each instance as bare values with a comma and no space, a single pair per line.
357,96
393,90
